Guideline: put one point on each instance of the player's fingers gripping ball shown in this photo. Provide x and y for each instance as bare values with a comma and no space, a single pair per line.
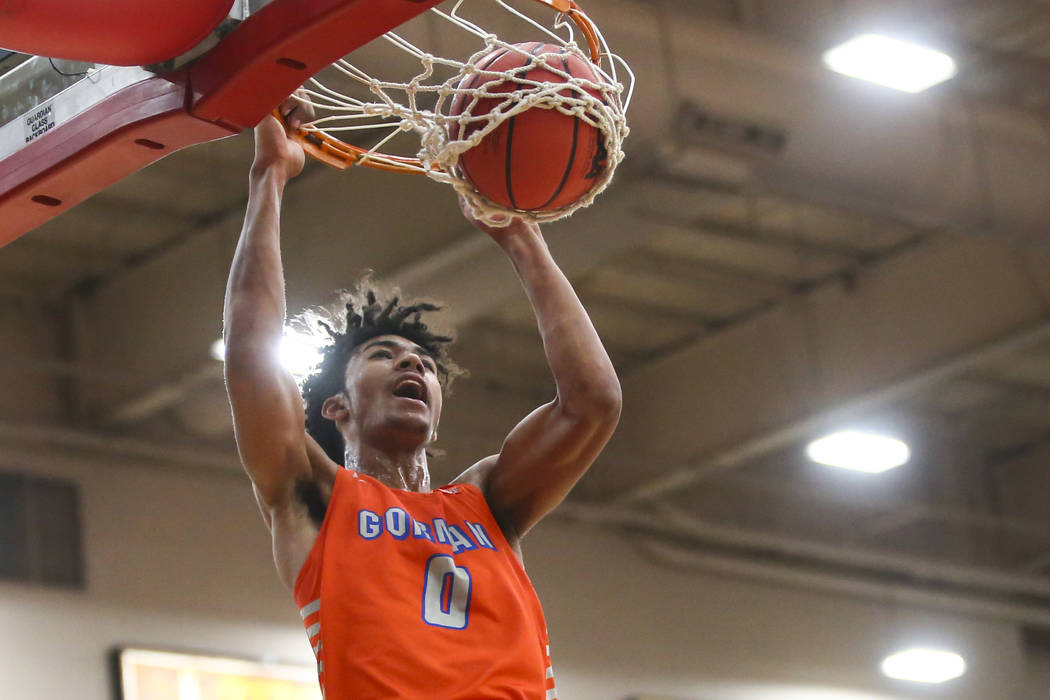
547,154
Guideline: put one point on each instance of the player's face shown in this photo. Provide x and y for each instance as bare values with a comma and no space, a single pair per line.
393,390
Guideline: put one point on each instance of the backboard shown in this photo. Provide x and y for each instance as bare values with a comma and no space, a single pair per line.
67,137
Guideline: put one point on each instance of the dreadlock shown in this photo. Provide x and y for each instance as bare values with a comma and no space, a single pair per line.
366,316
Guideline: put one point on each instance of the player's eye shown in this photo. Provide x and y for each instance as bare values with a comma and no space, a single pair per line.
382,353
429,364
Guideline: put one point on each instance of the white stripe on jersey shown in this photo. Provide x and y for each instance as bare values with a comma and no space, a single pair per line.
310,608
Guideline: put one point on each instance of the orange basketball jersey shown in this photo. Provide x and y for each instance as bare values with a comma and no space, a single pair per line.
418,595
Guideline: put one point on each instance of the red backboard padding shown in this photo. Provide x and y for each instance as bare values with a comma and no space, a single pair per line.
141,124
230,88
242,79
114,32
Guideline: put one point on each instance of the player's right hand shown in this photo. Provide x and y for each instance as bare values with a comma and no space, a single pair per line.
502,231
274,148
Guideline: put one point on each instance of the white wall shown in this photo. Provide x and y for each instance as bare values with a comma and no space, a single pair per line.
620,625
181,559
27,334
173,559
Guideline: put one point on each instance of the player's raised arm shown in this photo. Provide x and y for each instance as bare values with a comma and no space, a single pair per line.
267,411
547,453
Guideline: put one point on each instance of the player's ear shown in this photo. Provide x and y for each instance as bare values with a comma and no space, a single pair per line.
335,407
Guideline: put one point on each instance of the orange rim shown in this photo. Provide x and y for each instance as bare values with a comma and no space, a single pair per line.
576,14
341,155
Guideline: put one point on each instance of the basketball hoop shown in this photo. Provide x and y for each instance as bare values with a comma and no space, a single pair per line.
451,105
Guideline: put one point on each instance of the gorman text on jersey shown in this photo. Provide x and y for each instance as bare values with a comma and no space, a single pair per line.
400,525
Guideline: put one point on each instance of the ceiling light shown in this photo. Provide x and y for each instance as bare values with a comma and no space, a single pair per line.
865,452
218,350
896,64
924,665
299,353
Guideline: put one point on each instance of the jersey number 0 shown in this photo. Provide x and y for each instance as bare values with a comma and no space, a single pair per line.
446,593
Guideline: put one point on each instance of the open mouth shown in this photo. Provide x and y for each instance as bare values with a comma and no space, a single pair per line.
410,388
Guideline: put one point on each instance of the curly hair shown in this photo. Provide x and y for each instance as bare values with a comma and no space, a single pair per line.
366,316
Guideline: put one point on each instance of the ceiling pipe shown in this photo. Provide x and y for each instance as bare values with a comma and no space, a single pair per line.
165,395
13,435
896,514
884,593
828,567
76,370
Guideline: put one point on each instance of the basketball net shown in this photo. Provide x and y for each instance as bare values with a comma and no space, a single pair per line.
421,105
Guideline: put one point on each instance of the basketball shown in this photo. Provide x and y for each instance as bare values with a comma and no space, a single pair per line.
539,159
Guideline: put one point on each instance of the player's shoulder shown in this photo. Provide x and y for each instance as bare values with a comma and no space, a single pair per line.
477,475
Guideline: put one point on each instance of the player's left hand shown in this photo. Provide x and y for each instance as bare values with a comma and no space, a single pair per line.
274,146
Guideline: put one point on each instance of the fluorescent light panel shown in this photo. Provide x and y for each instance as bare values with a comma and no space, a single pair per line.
891,62
859,451
924,665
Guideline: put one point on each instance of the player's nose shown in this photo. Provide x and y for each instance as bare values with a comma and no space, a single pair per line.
411,361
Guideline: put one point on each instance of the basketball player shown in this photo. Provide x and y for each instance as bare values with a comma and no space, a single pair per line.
405,591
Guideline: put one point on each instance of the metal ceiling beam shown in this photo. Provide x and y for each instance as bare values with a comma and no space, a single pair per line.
472,277
665,266
719,229
854,408
785,293
15,436
782,376
941,157
474,280
645,310
895,514
902,594
1015,596
455,275
1014,386
37,252
163,396
954,516
77,370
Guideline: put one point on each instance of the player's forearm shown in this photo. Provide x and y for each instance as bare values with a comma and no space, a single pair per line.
583,372
255,304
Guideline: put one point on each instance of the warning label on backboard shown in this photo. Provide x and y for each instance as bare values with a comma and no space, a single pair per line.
39,122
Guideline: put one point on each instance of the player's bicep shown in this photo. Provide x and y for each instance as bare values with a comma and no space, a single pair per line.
541,460
269,424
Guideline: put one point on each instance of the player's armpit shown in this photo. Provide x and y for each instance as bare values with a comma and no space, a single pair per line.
543,458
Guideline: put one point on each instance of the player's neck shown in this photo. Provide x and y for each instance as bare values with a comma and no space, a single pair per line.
406,470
